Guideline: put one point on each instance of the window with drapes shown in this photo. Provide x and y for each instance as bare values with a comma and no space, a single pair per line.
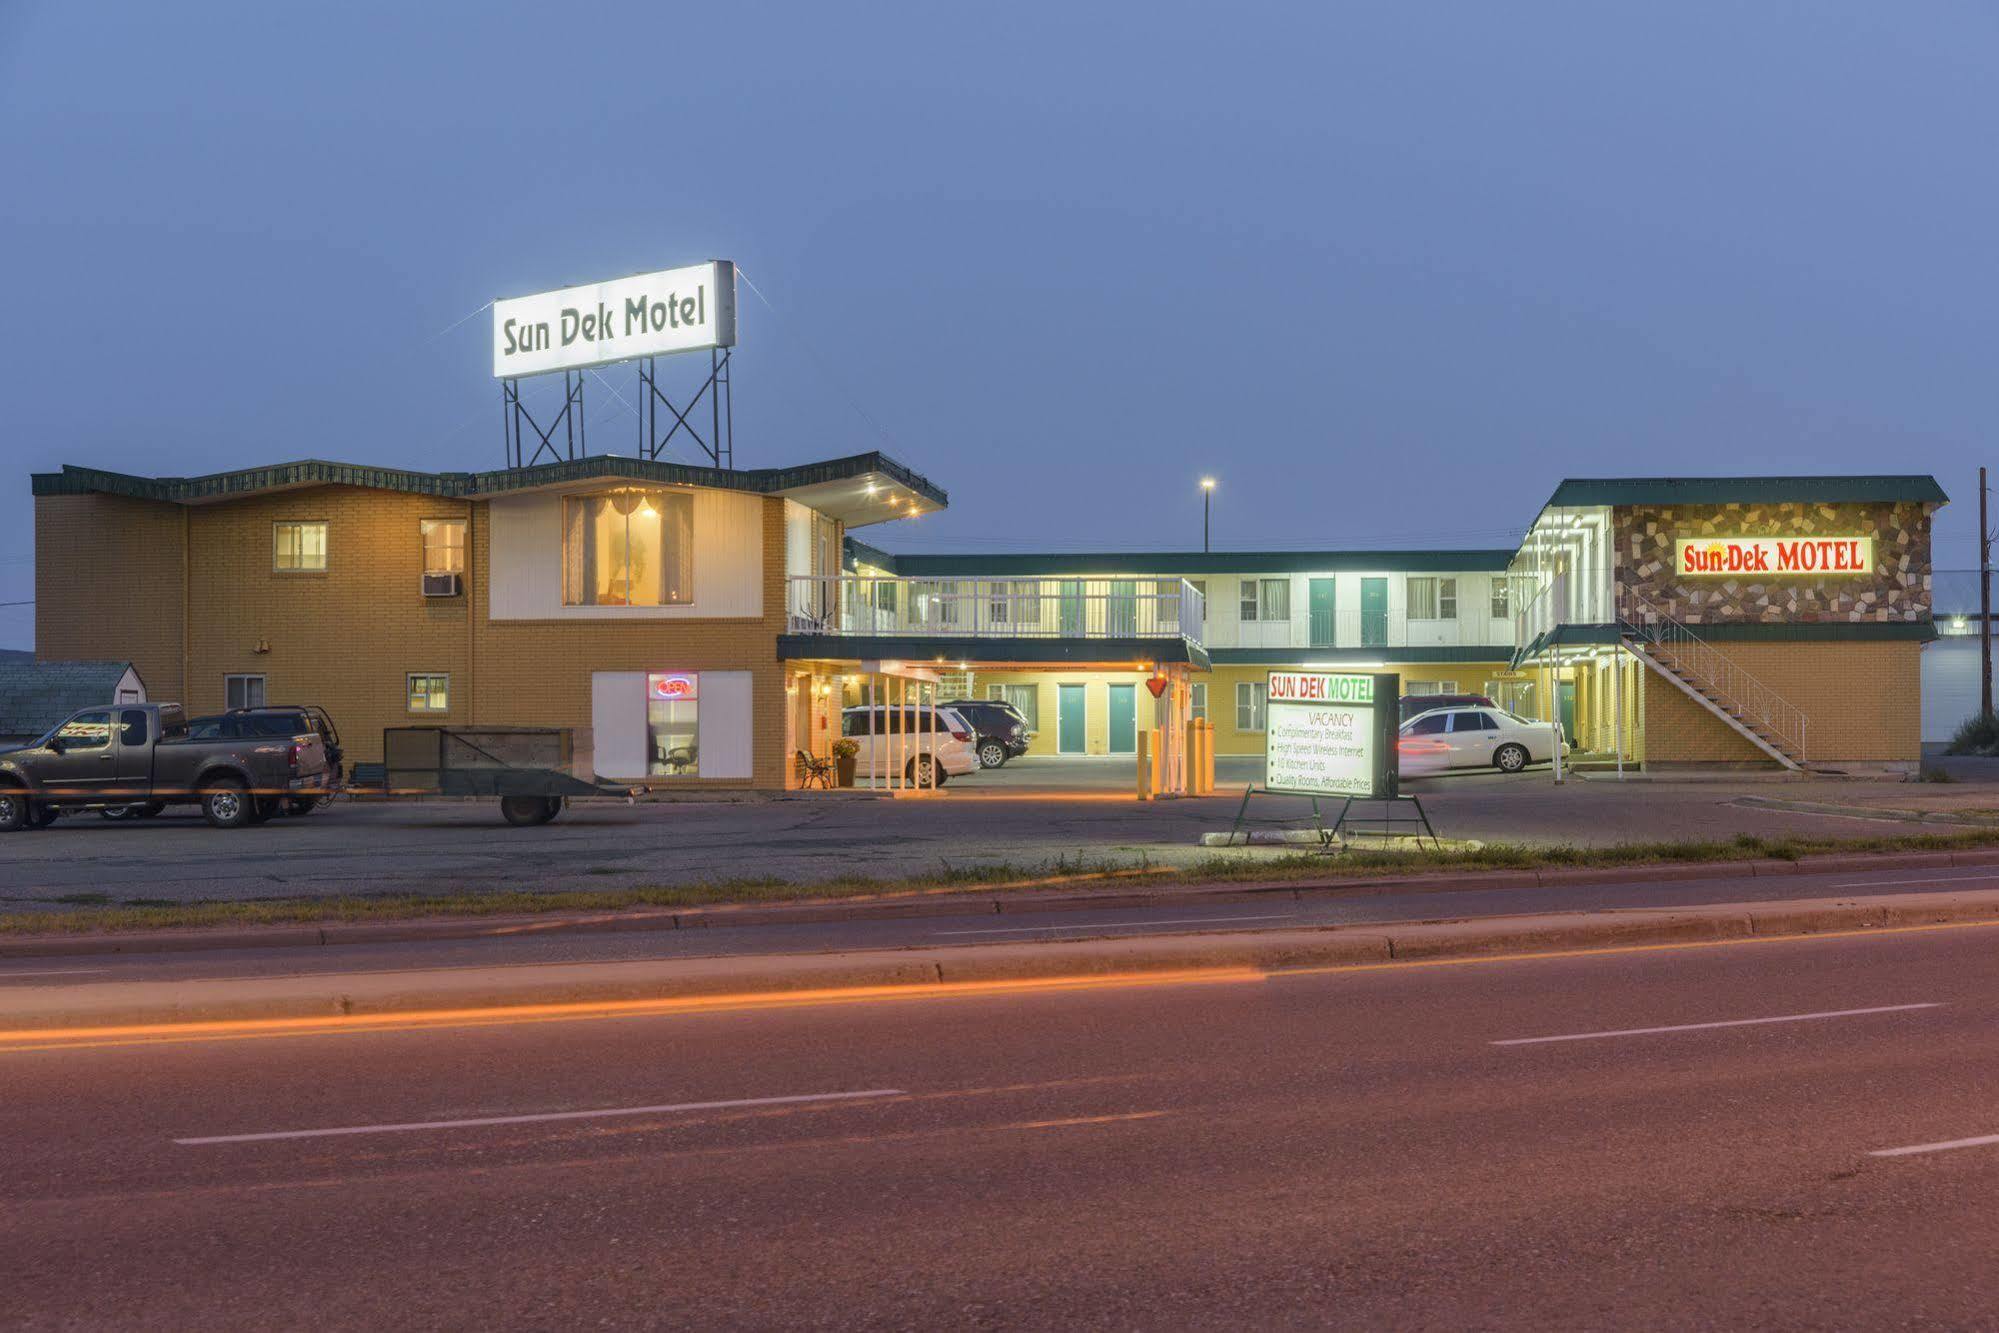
630,547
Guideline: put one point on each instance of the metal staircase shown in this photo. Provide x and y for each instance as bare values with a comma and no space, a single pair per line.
1744,704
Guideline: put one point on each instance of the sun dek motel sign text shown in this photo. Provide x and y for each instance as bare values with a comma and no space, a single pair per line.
1725,557
1331,733
653,314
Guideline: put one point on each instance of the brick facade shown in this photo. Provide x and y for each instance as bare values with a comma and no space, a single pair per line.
1646,563
113,576
1864,702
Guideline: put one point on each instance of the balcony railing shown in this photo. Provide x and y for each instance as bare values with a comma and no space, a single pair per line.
852,604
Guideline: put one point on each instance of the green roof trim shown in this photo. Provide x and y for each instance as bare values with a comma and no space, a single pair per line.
1013,651
474,485
1298,657
1576,492
1183,563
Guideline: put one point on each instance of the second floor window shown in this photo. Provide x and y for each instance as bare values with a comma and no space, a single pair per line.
443,545
1201,586
1266,599
1433,599
631,547
299,547
1502,598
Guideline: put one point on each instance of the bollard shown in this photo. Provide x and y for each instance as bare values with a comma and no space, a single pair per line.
1144,765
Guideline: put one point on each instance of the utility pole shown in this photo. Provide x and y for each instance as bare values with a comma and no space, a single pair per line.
1984,603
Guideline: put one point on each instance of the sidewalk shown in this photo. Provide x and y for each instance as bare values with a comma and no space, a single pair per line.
114,1011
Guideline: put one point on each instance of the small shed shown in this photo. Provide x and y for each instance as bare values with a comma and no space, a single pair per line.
34,696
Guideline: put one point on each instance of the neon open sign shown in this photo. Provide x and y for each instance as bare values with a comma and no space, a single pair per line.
672,685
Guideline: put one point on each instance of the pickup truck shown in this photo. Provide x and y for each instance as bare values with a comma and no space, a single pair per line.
140,757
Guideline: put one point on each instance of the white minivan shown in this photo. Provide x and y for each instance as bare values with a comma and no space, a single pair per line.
930,745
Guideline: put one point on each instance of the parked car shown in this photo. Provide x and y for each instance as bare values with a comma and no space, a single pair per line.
142,756
999,726
933,745
1456,738
1412,704
277,720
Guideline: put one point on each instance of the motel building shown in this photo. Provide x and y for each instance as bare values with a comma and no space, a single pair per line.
702,627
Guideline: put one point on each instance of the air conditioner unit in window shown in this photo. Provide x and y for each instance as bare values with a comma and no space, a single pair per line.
443,585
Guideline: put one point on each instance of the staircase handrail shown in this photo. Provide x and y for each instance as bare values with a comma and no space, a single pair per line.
1717,669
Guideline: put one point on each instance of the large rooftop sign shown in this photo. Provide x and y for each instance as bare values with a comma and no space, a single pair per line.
653,314
1736,557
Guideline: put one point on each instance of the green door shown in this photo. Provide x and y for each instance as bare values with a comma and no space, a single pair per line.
1124,719
1068,719
1073,609
1565,708
1323,633
1374,613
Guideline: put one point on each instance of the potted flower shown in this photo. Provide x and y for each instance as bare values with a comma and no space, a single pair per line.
844,751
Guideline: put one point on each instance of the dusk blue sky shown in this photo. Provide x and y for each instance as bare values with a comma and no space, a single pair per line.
1387,271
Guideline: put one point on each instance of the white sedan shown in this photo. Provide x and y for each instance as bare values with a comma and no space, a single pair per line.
1456,738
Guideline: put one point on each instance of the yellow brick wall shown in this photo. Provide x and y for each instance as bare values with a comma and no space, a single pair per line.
108,576
344,639
1863,701
1096,702
109,586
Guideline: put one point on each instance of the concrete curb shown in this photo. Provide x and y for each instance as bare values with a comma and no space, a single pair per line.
967,903
27,1011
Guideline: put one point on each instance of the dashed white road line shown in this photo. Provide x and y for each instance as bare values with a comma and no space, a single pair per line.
536,1119
1927,879
1724,1023
1118,925
1981,1141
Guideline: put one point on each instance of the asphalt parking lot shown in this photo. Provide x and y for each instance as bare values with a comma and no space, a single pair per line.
1001,818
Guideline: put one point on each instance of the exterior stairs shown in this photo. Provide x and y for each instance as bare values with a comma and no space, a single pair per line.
1711,679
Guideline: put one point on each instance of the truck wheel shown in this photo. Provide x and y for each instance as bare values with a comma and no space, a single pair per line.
527,811
13,810
228,804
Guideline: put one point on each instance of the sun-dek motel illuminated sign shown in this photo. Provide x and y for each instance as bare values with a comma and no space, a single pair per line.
1331,733
1729,557
653,314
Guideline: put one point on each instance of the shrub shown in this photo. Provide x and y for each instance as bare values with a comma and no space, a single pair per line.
1979,734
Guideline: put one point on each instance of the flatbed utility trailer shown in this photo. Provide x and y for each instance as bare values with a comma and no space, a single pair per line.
527,768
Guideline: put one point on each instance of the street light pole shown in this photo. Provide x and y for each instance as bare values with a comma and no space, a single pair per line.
1207,496
1984,604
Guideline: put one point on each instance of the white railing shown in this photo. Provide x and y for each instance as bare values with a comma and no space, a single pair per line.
1701,664
853,605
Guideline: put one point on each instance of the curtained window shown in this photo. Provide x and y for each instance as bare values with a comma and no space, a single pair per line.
630,547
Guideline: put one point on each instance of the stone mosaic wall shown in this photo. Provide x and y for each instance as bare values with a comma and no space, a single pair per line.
1898,590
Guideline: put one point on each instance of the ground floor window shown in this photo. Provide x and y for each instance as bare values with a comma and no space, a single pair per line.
1415,687
1200,699
673,704
429,692
1250,696
242,691
1026,700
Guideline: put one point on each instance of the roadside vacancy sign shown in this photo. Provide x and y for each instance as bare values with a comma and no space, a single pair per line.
1331,734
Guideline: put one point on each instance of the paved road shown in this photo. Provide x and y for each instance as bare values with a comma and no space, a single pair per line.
359,847
1175,916
1345,1148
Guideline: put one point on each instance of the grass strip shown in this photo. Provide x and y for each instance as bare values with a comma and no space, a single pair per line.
1086,874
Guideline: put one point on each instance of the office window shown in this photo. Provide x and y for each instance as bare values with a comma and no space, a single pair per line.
1266,599
1250,696
1419,687
1502,598
429,692
631,547
443,545
298,548
243,691
1200,705
1026,700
